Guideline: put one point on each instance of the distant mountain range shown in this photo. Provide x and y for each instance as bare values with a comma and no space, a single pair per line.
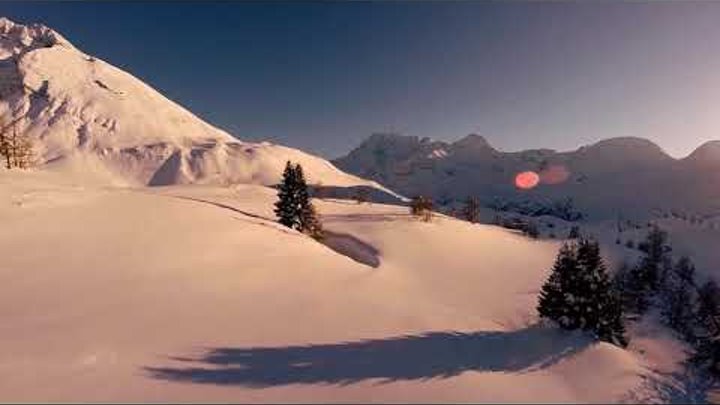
614,177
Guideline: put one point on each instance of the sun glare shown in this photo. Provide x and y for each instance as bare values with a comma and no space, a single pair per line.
527,180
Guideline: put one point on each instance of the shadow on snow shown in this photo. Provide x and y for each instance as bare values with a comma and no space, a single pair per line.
412,357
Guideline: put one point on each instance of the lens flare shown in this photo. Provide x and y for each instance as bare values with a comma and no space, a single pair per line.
554,174
527,180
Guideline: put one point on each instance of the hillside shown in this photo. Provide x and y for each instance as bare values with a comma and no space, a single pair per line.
193,293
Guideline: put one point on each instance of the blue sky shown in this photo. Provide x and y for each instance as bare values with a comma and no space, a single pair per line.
322,76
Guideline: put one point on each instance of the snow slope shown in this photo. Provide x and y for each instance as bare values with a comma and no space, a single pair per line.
193,293
86,115
618,176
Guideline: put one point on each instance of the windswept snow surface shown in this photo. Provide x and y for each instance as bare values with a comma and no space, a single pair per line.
193,293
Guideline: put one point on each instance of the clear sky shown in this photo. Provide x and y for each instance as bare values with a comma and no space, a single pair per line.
322,76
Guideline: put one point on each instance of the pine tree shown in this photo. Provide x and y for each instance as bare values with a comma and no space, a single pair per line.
707,342
579,295
677,297
707,355
287,207
293,207
574,232
610,327
587,282
708,308
646,278
656,250
311,224
471,210
554,302
308,221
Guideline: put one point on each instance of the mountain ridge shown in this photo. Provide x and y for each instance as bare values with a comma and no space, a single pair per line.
87,115
597,176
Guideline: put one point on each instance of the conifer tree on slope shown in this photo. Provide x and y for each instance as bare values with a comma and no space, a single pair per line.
707,346
578,294
656,252
307,216
678,297
287,207
553,302
708,308
647,276
599,307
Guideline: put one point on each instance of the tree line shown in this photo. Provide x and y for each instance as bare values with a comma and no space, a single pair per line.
580,294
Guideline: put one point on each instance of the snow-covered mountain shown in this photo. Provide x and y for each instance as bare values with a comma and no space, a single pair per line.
618,176
88,116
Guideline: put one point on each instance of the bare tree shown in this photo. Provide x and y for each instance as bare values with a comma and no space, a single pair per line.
421,207
16,149
362,195
5,144
471,210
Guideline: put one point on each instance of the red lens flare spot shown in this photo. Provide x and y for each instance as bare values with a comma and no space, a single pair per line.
527,180
554,174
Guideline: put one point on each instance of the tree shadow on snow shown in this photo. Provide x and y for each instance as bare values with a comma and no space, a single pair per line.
352,247
412,357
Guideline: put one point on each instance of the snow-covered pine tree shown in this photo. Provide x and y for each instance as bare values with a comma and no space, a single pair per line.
554,302
708,308
611,327
622,287
707,355
311,224
471,210
677,297
579,295
287,207
308,221
598,307
656,252
645,278
707,329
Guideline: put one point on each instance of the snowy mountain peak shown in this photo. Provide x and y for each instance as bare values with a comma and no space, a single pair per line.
626,143
474,141
16,38
709,152
633,150
88,116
